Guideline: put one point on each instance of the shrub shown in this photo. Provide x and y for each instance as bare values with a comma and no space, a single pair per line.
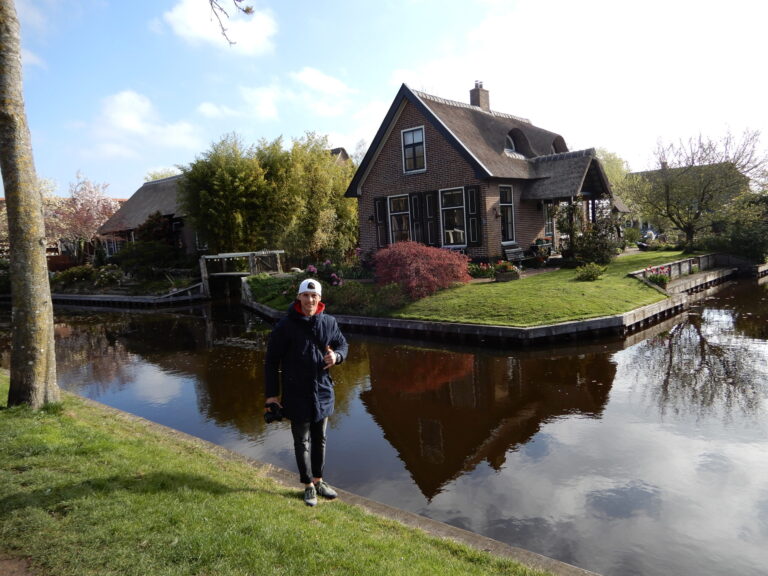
658,275
658,279
147,260
481,270
108,275
326,273
419,270
364,299
632,235
74,275
589,272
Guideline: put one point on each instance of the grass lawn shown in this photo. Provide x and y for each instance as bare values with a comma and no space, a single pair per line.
546,298
86,493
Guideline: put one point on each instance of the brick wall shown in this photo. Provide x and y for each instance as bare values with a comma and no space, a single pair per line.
445,168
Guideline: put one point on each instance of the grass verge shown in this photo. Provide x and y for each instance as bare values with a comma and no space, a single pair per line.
547,298
83,492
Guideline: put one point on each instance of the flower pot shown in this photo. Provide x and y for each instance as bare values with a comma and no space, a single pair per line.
507,276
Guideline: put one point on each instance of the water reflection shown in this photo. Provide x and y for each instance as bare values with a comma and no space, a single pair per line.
710,364
641,456
445,412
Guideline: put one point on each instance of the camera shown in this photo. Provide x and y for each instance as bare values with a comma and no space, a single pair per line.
274,413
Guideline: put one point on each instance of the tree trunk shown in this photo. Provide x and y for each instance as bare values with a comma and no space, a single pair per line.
33,359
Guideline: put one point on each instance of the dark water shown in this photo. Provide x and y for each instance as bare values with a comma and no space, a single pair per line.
647,456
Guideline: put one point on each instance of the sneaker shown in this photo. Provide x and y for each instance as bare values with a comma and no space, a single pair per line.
310,496
325,491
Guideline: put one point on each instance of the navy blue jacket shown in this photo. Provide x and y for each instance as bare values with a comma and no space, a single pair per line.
296,348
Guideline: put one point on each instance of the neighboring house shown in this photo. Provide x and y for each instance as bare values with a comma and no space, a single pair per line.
156,196
465,177
161,196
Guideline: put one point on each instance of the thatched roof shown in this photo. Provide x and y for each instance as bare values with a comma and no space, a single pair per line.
483,137
565,175
155,196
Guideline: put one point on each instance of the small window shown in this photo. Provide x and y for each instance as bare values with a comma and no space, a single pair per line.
413,150
509,144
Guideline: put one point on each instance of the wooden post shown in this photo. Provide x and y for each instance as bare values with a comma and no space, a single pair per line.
204,277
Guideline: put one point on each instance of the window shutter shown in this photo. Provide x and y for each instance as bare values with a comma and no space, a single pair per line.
430,219
417,217
380,217
474,218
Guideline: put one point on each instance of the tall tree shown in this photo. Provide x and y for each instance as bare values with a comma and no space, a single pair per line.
325,222
33,360
160,173
696,179
218,192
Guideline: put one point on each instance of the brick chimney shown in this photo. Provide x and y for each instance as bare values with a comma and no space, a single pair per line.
478,96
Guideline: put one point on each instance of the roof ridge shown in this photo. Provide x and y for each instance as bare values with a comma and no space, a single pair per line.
565,155
441,100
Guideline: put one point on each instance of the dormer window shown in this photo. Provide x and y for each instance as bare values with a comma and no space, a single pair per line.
509,144
414,159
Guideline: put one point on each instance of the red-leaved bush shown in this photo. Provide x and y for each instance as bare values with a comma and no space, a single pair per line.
419,270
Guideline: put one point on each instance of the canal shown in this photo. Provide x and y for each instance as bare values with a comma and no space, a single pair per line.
644,456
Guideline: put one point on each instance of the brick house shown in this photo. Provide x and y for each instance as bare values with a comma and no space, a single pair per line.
465,177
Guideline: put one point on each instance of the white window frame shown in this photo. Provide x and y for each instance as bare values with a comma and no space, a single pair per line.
444,209
511,206
423,148
549,219
391,213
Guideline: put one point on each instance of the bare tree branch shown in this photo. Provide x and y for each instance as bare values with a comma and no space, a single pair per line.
221,14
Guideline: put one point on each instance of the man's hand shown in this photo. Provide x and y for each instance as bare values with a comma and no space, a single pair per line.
329,358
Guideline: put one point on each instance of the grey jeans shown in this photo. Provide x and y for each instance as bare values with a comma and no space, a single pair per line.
309,447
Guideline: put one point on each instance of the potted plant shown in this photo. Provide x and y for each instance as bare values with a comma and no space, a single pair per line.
506,271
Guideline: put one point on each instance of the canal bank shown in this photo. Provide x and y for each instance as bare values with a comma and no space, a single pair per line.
432,527
681,292
607,386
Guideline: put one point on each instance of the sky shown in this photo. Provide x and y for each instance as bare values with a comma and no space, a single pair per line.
117,89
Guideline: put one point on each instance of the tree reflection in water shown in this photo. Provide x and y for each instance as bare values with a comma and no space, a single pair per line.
706,366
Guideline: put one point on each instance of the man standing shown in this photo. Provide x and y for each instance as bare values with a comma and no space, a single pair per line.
302,348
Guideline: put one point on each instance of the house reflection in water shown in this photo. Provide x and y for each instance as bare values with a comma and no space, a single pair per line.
445,412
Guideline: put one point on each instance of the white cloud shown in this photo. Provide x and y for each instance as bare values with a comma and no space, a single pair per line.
318,81
620,80
29,58
261,102
128,124
324,95
194,21
211,110
366,122
33,16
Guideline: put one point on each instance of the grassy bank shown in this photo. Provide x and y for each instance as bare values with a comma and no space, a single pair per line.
549,298
544,298
85,492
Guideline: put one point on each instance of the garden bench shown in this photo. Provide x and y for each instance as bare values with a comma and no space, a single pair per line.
514,254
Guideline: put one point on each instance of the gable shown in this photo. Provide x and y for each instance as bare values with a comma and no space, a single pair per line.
478,135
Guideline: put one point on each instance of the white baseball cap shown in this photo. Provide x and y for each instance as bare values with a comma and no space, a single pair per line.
310,285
